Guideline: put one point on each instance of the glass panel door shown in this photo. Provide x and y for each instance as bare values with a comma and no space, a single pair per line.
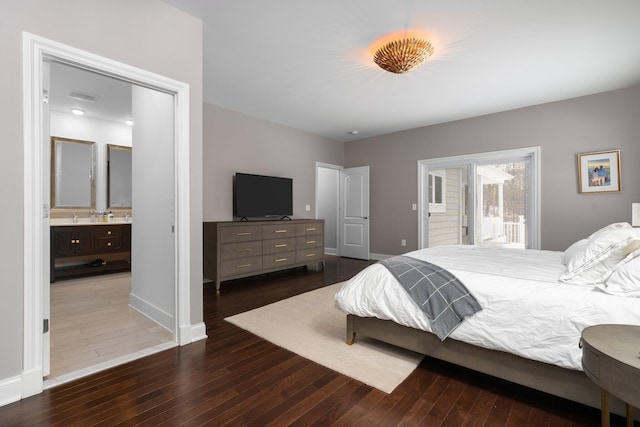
448,211
501,200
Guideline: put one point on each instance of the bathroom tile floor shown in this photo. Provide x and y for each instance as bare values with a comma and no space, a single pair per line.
93,327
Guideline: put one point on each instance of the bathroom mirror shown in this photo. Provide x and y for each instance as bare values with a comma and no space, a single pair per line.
118,177
72,174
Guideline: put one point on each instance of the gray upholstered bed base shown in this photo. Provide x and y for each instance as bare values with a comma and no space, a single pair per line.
566,383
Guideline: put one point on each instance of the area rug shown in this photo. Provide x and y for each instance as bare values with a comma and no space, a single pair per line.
310,325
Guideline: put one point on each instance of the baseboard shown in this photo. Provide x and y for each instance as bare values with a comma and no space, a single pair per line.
193,333
331,251
154,313
10,390
378,257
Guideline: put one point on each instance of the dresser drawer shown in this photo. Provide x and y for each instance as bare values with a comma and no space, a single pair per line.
240,250
309,255
275,246
240,266
311,228
240,233
307,242
278,260
278,231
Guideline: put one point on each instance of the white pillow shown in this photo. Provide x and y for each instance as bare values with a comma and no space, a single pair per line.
617,226
573,250
590,263
624,280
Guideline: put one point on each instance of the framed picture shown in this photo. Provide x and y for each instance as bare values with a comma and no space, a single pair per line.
599,172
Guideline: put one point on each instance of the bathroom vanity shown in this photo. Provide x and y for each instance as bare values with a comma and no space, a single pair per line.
76,249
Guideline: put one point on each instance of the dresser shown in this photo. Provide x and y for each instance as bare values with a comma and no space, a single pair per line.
236,249
75,249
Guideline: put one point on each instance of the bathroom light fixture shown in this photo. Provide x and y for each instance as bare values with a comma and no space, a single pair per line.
403,55
77,111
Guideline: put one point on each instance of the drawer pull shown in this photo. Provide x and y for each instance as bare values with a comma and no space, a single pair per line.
310,255
311,229
280,231
310,242
246,233
109,244
281,245
243,250
109,232
243,265
281,260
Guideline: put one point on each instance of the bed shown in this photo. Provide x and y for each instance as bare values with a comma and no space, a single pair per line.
535,305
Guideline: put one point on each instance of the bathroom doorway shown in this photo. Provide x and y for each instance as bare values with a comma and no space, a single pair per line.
92,322
167,305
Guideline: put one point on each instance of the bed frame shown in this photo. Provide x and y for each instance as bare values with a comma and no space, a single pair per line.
566,383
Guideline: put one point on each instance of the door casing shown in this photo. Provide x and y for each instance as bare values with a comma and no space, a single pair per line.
35,51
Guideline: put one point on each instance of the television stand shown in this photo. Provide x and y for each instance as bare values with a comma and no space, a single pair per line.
236,249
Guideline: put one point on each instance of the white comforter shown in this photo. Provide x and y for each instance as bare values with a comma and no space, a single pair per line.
525,310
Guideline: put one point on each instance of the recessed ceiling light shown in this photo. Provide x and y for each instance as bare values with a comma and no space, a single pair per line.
77,111
129,122
353,132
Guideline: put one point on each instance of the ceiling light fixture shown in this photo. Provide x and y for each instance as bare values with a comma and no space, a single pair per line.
403,55
77,111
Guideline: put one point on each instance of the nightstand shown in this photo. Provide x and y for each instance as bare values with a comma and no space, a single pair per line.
611,359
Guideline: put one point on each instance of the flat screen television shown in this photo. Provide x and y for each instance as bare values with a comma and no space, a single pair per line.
262,196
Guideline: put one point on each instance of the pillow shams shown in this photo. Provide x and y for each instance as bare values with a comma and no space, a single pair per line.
592,262
624,280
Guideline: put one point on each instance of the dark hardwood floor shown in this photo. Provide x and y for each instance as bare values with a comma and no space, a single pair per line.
235,378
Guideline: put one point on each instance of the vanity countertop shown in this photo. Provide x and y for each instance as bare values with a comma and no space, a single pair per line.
85,221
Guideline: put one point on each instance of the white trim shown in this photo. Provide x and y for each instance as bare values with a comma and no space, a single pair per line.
533,210
379,257
10,390
152,312
35,50
331,251
194,332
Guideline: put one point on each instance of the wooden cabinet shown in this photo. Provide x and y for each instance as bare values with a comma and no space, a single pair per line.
239,249
76,248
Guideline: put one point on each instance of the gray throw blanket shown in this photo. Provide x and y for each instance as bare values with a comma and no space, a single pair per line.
444,299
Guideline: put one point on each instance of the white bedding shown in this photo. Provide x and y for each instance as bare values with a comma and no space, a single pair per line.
526,310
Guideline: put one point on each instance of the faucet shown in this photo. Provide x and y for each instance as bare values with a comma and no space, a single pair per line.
126,217
75,217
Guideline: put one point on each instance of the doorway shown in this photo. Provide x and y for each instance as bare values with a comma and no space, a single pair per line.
101,318
37,51
342,199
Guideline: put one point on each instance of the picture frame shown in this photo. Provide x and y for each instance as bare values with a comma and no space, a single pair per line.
599,172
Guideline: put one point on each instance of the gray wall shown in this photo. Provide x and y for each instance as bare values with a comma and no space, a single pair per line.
563,129
235,142
132,32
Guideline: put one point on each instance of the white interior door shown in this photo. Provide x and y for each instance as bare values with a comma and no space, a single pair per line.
153,270
354,212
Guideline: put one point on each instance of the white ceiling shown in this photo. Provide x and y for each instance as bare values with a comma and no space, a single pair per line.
112,96
307,64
